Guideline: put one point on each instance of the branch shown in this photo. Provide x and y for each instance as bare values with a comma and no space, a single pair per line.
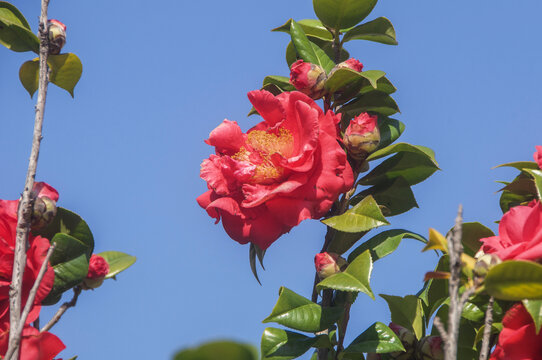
487,329
24,211
62,309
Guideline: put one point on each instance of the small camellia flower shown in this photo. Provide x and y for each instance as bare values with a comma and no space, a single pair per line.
328,264
308,78
518,339
408,339
431,348
362,136
538,156
57,36
98,268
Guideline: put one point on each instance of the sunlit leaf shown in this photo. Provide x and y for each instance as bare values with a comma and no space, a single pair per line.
380,30
384,243
118,262
407,312
515,280
378,338
363,216
219,350
342,14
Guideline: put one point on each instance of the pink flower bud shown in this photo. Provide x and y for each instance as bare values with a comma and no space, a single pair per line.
538,156
308,78
328,264
57,36
351,63
431,348
362,136
98,268
408,339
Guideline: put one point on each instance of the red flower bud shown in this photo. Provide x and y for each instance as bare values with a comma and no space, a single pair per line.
308,78
351,63
362,136
98,268
408,339
57,36
431,348
538,156
328,264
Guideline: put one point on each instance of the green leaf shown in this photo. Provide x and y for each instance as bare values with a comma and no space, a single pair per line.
342,14
378,338
380,30
307,50
279,344
15,32
364,216
67,248
396,197
472,232
29,76
118,262
255,251
343,241
219,350
413,163
296,312
472,312
384,243
537,175
407,312
67,275
534,307
374,101
520,165
390,130
355,278
495,329
343,77
70,223
327,47
515,280
281,82
311,27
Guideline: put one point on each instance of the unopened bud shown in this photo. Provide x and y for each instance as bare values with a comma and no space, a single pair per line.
308,78
351,63
362,136
98,268
43,212
408,339
484,263
430,348
57,36
328,264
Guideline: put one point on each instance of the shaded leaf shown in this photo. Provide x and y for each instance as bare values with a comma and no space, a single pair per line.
219,350
495,329
9,12
355,278
311,27
67,248
534,307
404,147
378,338
255,251
326,46
343,241
29,76
342,77
374,101
67,275
384,243
118,262
515,280
296,312
15,32
380,30
363,216
471,233
342,14
396,197
407,312
307,50
520,165
537,175
279,344
390,130
282,82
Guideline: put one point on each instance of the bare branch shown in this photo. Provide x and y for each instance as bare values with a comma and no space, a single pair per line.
440,327
25,205
62,309
487,329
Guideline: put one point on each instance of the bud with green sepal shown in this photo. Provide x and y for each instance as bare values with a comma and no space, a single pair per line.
328,264
98,268
57,36
408,339
430,348
308,78
362,136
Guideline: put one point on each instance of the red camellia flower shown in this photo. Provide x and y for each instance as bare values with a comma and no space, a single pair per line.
34,257
362,135
308,78
34,345
286,169
518,339
520,234
538,156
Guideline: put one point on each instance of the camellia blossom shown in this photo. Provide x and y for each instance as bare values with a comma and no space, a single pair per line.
538,156
518,339
34,345
520,234
286,169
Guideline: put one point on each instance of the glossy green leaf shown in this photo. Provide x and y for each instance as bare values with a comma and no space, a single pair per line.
390,130
296,312
343,77
118,262
537,175
407,312
520,165
307,50
70,223
435,291
311,27
384,243
279,344
515,280
472,232
355,278
67,248
29,76
404,147
343,241
374,101
380,30
396,197
378,338
281,82
15,32
342,14
66,71
67,275
327,47
495,329
509,199
364,216
472,312
534,307
219,350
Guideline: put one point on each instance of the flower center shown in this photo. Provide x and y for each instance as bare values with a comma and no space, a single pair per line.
260,146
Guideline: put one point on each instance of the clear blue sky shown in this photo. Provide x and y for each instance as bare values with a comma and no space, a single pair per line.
158,76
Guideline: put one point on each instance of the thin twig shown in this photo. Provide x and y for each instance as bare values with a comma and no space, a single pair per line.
440,327
24,211
62,309
487,329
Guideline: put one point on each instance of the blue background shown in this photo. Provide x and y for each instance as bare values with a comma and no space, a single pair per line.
159,76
